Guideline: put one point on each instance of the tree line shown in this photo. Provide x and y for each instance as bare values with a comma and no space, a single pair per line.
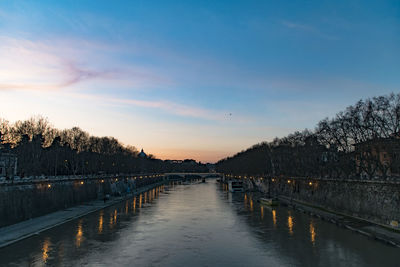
42,149
363,141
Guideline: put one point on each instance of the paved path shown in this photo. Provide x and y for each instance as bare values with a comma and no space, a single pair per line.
19,231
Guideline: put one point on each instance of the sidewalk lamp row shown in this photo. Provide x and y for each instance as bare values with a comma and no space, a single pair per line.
139,177
245,177
102,180
49,186
310,183
289,181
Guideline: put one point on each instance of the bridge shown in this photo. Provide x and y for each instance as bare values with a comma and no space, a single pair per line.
190,175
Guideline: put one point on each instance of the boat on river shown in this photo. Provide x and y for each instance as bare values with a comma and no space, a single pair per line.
269,201
235,186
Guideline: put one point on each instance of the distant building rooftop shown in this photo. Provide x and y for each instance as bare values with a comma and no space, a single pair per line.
142,154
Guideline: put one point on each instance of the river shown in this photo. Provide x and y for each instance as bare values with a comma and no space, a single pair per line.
200,224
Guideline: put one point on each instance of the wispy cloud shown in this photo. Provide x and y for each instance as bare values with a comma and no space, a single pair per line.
293,25
60,67
308,28
73,75
165,106
78,74
57,64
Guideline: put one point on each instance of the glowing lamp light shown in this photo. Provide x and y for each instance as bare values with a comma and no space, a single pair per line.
82,182
288,181
102,181
310,183
49,185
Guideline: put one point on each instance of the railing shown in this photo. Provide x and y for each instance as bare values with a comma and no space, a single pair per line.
389,180
63,178
193,173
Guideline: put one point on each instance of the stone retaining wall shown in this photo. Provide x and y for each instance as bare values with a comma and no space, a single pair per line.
377,201
22,201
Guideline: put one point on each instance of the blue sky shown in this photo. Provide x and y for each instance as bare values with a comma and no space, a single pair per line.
166,75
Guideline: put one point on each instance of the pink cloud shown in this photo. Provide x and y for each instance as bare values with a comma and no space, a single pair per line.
56,64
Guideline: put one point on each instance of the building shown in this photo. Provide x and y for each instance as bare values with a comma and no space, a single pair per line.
173,161
142,154
190,162
378,157
8,165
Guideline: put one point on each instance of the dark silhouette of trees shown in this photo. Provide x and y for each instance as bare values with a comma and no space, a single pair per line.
44,150
361,142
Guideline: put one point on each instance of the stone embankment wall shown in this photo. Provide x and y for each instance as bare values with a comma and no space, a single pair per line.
377,201
23,201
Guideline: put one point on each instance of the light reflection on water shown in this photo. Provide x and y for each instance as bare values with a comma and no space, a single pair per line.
198,225
79,234
274,217
134,205
46,249
101,220
290,224
312,232
115,216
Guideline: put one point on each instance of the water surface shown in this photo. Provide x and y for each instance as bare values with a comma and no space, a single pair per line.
198,225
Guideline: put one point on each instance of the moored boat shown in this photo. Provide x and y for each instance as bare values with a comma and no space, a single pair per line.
235,186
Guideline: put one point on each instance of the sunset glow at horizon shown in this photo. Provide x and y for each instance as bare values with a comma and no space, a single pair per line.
191,80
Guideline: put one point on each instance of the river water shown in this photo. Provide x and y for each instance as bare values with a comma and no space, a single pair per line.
198,225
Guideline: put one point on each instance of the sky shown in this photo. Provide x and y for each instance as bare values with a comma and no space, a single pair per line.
194,79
